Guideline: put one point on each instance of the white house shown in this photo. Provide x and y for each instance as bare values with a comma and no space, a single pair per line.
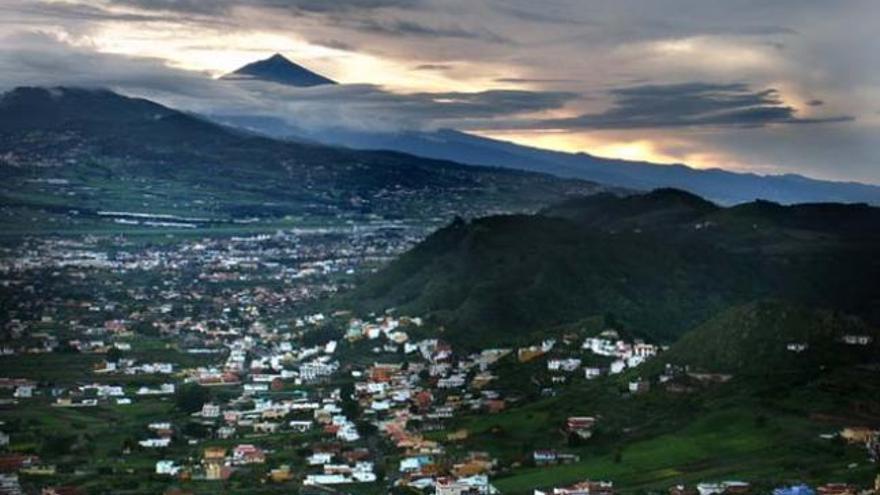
797,347
591,373
210,410
570,364
166,467
319,458
24,392
155,443
326,479
857,339
617,367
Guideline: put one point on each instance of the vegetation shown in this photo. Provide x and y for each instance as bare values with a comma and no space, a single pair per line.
763,425
659,264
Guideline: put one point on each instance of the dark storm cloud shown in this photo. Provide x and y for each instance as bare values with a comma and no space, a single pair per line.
545,14
217,7
41,59
687,105
408,28
495,101
74,13
357,15
365,106
433,67
531,80
80,19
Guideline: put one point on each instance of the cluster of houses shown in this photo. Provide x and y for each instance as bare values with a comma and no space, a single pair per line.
581,488
863,435
281,389
718,488
404,401
87,395
130,367
828,489
624,354
614,356
847,339
387,327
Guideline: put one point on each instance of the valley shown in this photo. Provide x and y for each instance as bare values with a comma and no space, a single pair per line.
191,308
188,358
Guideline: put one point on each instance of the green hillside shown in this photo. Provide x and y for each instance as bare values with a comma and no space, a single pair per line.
659,264
762,425
754,339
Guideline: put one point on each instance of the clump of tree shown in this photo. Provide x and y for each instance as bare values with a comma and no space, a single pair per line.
57,445
190,397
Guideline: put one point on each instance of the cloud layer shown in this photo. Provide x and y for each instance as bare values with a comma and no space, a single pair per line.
773,86
693,104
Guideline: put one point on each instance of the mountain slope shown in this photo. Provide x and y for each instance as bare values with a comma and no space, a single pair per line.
92,150
764,424
661,263
721,186
281,70
754,338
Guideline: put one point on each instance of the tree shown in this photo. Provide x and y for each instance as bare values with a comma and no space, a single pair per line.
57,445
114,354
195,429
190,397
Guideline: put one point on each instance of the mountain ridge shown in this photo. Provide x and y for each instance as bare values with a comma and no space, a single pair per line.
721,185
660,263
112,149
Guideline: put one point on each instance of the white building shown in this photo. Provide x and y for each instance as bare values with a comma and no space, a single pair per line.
857,339
210,410
166,467
319,458
569,365
155,443
24,392
592,373
617,367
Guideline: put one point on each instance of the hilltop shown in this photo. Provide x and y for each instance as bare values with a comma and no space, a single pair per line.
278,69
658,264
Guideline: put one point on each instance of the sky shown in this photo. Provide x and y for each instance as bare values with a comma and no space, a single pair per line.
783,86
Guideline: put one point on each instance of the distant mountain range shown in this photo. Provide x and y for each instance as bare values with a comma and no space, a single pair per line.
719,185
658,263
722,186
280,70
69,149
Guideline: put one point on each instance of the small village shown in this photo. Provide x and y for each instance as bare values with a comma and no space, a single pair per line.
411,389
